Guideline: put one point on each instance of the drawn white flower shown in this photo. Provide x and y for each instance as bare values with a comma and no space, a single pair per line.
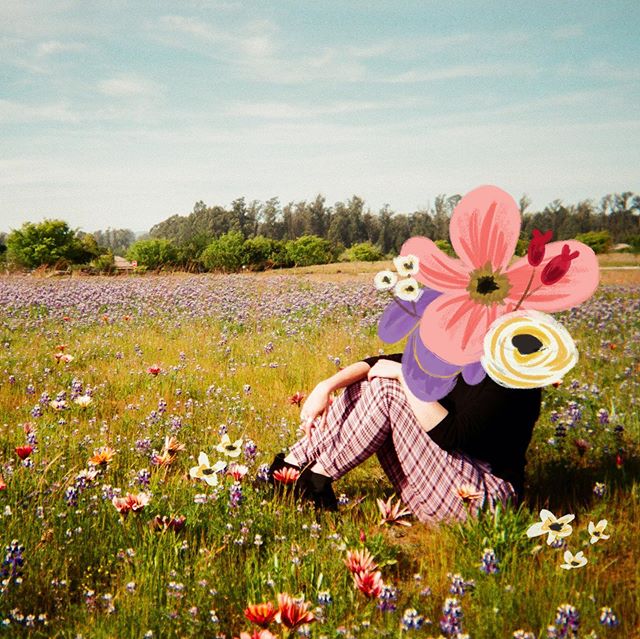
407,289
205,471
555,528
385,280
597,531
406,264
572,561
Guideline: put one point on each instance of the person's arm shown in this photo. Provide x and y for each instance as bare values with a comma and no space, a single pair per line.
316,405
427,414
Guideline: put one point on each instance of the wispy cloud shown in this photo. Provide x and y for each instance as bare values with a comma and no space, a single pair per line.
55,47
127,85
495,70
19,112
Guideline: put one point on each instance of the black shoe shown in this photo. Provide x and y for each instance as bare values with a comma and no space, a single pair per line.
317,488
279,463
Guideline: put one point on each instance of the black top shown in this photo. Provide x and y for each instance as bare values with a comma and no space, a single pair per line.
489,422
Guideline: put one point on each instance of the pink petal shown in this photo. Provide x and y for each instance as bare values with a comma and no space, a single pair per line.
574,288
453,327
485,227
437,270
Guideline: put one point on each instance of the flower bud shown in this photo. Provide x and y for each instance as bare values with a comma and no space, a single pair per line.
535,252
558,266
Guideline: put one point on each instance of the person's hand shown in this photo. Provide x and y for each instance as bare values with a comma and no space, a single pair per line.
385,368
314,410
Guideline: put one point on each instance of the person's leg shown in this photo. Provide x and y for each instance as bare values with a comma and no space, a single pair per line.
375,417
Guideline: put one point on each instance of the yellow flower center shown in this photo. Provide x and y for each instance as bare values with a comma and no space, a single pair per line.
488,286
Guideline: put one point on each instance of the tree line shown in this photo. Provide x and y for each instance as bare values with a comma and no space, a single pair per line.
268,234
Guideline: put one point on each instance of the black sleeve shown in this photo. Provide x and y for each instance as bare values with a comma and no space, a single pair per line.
484,413
396,357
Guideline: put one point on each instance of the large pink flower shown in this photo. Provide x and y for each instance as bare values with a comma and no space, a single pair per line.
482,284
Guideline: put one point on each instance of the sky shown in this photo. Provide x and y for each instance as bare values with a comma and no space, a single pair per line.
123,113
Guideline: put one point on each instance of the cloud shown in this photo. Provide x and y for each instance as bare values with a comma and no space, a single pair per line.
54,47
462,71
127,85
19,112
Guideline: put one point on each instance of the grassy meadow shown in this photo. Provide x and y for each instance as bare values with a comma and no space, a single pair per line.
115,386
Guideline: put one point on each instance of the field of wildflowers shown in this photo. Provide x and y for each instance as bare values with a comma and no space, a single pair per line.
136,418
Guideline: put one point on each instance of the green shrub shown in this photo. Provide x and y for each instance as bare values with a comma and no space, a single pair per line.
363,252
103,264
308,250
445,247
599,241
225,253
256,253
153,254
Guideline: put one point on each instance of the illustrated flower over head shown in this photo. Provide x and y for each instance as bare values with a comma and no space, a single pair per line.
205,471
229,448
555,528
573,561
462,297
597,531
385,280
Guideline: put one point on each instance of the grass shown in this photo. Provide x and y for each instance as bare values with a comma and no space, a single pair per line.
231,350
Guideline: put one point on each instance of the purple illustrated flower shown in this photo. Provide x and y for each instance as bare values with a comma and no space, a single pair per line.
429,377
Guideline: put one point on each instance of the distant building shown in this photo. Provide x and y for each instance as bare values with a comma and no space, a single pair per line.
123,265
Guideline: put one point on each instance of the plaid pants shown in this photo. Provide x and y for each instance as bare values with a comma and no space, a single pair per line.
375,417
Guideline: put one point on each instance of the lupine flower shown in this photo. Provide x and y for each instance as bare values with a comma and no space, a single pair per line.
297,398
522,634
360,561
599,489
489,563
103,456
229,448
387,598
131,502
250,450
263,473
11,569
411,620
205,471
393,513
292,614
286,475
451,620
385,280
324,598
554,528
567,621
261,614
370,584
597,531
24,451
235,494
573,561
607,618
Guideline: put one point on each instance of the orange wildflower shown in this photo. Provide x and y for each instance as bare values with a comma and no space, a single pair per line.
286,475
102,456
291,613
261,614
360,561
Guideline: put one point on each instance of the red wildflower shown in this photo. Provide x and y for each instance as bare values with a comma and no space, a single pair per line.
619,461
257,634
131,502
153,370
358,561
287,475
24,451
535,252
370,584
297,398
291,613
3,485
261,614
163,522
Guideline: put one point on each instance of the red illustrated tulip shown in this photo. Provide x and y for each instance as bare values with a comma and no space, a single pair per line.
535,252
558,266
